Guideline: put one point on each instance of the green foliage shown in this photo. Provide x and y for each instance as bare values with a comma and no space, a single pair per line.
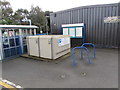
19,15
47,14
6,12
37,16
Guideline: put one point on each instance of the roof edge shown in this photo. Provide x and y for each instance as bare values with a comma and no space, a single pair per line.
88,6
18,26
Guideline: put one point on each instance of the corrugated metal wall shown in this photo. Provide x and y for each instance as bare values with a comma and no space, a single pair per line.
97,32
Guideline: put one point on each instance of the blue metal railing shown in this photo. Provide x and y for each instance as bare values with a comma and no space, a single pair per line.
87,52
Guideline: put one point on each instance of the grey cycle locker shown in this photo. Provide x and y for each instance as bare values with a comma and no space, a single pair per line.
101,23
48,46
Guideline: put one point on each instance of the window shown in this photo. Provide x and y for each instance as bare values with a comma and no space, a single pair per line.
17,41
5,43
24,40
24,32
12,43
16,32
4,33
11,33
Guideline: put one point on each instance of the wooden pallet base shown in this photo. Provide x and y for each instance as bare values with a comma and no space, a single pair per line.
45,59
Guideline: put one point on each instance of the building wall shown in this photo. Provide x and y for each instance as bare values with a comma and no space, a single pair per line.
97,31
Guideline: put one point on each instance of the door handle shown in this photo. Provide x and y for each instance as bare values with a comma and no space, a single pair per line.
36,41
49,41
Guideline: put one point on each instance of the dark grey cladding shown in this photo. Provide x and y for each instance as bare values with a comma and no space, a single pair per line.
100,21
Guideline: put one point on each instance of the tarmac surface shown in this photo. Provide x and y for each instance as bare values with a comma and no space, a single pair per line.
29,73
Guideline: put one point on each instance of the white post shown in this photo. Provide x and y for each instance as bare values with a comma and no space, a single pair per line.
34,31
1,45
21,40
30,31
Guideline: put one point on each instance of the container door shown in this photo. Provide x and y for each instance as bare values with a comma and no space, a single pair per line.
0,54
33,47
45,48
1,49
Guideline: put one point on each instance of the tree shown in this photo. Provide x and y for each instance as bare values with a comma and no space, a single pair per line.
47,14
7,12
7,16
19,15
37,17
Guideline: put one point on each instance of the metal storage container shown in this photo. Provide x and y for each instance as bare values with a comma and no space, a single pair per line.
48,46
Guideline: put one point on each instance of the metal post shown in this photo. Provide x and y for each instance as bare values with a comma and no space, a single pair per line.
29,21
1,45
92,46
81,55
21,40
73,57
81,47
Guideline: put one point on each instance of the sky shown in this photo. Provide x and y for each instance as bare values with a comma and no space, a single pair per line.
56,5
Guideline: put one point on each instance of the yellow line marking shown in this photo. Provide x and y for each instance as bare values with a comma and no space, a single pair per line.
7,86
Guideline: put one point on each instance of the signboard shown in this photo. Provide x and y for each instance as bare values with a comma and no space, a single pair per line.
65,31
113,19
63,41
78,31
74,30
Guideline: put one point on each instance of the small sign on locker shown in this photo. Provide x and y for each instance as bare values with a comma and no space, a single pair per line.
63,41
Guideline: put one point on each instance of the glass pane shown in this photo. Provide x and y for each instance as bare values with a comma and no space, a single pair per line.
6,53
5,43
72,32
78,31
16,32
11,33
24,32
13,51
24,40
12,42
4,33
65,31
25,49
28,32
18,50
17,41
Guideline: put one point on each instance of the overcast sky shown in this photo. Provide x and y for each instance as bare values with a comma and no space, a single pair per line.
56,5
